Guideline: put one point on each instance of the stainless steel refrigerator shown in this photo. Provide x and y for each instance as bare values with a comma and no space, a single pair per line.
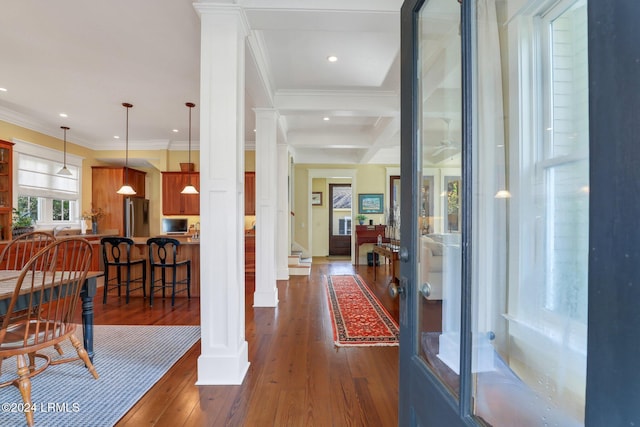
136,217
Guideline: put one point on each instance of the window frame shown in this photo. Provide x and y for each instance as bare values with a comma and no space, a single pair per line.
45,204
530,159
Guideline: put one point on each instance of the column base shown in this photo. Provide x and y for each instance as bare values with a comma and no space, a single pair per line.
223,369
266,299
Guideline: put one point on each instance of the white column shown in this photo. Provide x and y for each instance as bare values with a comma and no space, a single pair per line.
282,214
224,358
266,294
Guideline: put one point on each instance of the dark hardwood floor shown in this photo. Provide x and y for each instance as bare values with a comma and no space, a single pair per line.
297,377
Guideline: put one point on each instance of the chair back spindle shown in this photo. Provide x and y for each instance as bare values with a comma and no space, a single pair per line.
24,247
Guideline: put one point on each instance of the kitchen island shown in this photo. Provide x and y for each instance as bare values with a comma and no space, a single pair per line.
189,249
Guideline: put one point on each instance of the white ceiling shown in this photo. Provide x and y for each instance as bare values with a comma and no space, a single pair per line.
85,58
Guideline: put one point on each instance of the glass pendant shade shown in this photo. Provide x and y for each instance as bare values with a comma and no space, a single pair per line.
126,189
64,171
189,188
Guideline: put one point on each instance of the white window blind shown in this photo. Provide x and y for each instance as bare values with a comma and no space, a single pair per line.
38,177
36,168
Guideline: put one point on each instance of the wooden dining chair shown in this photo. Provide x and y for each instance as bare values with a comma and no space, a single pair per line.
51,282
21,249
120,269
163,254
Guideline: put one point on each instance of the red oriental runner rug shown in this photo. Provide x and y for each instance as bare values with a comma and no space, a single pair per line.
358,318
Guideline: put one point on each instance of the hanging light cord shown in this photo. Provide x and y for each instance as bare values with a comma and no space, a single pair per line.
190,105
126,155
65,128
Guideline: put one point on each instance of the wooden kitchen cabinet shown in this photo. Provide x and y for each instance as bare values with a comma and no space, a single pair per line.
6,189
173,201
106,181
249,193
249,253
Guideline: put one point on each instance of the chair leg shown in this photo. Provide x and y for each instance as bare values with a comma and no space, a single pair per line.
59,349
119,278
173,286
144,280
106,283
152,282
164,281
189,280
32,362
128,282
24,385
82,353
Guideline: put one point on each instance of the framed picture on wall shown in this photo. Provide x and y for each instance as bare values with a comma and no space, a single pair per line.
370,203
316,198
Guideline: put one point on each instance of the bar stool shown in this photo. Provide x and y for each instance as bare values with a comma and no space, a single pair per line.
163,255
116,252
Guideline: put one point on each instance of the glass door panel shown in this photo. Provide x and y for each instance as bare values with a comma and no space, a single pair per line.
439,123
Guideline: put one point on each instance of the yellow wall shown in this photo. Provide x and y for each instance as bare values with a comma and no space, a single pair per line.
249,166
160,161
250,161
369,179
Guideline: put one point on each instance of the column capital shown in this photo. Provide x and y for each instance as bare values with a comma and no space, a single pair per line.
224,9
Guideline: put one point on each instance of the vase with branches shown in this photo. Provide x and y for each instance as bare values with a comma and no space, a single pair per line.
93,215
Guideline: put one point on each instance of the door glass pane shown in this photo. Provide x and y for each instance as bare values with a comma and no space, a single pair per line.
530,213
341,210
439,275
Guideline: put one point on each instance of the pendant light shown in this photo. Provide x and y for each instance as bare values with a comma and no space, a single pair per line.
189,188
64,171
126,188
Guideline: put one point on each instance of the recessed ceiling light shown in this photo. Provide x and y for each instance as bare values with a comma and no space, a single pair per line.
332,58
3,89
116,137
175,130
326,119
63,115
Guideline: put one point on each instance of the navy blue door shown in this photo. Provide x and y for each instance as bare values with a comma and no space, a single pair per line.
518,217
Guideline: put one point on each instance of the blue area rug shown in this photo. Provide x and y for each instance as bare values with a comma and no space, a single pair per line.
129,360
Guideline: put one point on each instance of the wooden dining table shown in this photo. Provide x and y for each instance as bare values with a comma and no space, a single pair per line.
9,280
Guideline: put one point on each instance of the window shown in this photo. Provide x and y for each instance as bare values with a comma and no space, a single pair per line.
538,323
341,210
61,210
49,198
562,166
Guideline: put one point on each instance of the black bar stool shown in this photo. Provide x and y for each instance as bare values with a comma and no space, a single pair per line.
163,255
116,252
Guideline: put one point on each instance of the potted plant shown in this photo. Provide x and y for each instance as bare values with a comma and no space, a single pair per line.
22,223
361,218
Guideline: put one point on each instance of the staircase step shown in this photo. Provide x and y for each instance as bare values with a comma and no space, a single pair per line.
300,270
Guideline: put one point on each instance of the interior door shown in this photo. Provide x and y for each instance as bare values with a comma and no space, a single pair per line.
340,228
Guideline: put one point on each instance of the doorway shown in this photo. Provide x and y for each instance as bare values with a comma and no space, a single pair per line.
340,219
